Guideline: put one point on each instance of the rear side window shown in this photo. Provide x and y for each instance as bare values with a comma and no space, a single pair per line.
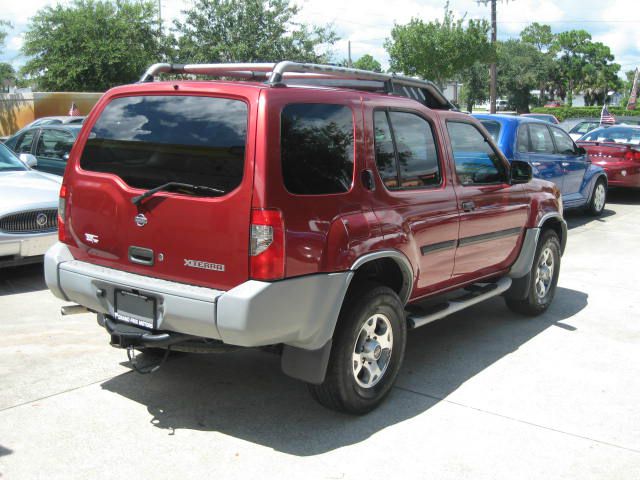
316,147
540,139
493,128
151,140
413,163
24,143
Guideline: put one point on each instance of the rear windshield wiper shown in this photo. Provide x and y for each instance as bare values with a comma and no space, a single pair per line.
173,186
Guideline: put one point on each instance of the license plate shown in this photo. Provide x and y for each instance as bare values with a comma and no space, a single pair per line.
135,309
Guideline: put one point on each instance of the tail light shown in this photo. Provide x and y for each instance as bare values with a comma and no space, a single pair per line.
266,248
633,154
62,213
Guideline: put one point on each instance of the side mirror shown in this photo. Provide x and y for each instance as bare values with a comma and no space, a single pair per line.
520,172
581,151
29,160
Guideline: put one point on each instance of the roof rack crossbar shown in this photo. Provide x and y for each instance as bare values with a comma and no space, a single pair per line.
278,72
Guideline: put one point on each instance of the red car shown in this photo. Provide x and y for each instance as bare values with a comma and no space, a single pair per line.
553,104
313,220
617,150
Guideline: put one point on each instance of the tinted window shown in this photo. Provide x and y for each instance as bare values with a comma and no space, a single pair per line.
24,143
385,154
317,148
522,141
492,127
54,144
564,143
148,141
476,160
8,161
614,134
416,149
540,139
584,127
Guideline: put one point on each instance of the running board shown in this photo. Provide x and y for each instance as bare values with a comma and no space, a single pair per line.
477,293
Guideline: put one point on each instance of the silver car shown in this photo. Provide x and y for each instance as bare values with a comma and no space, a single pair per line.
28,210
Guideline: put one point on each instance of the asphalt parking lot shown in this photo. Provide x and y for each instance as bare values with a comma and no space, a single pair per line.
485,394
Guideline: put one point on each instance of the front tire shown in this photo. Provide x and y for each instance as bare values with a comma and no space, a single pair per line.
598,199
367,352
544,277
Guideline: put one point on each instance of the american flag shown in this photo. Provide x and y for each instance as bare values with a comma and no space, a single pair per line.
606,118
73,111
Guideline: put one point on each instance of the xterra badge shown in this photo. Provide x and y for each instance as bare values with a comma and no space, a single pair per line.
218,267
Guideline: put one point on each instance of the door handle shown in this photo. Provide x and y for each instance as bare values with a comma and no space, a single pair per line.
536,164
468,206
565,164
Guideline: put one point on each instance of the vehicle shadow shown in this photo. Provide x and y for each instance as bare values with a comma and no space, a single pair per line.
24,279
577,217
624,196
245,395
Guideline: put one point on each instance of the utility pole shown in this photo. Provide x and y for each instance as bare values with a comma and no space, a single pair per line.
160,16
349,64
492,68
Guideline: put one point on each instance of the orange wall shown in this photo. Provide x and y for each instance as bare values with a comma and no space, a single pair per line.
19,109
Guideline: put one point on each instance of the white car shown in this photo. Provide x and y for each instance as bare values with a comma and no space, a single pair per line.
28,210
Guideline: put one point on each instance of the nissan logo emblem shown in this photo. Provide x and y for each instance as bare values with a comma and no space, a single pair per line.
41,219
141,220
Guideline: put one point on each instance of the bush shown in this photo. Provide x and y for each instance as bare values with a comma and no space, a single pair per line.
562,113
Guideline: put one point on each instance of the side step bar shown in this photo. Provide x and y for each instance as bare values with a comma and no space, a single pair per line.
476,294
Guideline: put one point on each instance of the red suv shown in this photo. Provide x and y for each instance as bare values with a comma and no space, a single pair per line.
310,209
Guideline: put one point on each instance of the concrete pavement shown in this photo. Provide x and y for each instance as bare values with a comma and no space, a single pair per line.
485,394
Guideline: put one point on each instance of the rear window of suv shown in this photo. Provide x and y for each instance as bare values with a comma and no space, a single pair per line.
151,140
317,148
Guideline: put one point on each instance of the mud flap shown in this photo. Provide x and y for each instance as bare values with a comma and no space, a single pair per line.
306,365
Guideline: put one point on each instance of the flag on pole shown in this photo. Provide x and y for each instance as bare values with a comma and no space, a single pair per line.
73,111
633,98
606,118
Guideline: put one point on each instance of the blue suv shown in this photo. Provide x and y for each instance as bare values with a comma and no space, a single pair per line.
553,156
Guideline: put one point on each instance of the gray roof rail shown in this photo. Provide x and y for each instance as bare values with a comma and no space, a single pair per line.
277,74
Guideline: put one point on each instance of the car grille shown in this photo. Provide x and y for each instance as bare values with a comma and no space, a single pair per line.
35,221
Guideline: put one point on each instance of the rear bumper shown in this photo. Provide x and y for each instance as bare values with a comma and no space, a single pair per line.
622,174
24,249
300,312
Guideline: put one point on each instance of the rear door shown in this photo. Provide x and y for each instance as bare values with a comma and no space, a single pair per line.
143,141
52,150
546,164
574,165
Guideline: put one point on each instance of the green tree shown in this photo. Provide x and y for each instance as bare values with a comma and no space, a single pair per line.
540,36
520,67
7,76
249,31
475,85
91,45
439,51
4,26
367,62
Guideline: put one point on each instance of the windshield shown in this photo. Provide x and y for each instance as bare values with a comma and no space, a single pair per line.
9,162
151,140
493,128
614,135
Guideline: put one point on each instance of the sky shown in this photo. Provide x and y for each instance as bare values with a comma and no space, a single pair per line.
366,23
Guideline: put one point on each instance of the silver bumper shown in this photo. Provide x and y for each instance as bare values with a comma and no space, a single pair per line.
301,312
26,245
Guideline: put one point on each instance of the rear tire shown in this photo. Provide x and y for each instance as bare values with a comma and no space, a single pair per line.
368,349
598,199
544,277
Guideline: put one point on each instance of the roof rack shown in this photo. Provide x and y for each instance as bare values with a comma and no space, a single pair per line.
283,73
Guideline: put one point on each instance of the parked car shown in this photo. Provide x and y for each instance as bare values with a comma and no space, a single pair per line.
28,211
545,117
617,150
57,120
199,216
502,105
50,144
554,157
553,104
583,127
